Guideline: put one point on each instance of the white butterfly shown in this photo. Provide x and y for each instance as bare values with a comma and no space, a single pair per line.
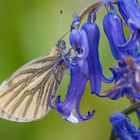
24,96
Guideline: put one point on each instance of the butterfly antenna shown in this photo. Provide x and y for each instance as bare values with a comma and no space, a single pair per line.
64,35
60,23
60,26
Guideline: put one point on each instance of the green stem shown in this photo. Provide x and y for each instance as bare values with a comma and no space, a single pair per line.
131,108
91,7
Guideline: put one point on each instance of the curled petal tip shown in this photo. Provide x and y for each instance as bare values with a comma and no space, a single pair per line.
90,115
78,117
57,101
108,80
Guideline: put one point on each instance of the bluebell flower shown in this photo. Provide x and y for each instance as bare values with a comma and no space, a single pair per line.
69,108
113,29
123,128
127,80
79,43
94,66
130,11
121,48
126,73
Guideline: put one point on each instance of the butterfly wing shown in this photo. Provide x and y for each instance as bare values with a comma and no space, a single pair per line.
24,96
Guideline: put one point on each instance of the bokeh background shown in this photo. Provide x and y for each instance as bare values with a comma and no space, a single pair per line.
30,28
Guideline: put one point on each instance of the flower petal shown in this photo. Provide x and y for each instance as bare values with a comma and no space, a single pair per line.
79,43
114,31
69,108
127,80
131,46
94,65
130,11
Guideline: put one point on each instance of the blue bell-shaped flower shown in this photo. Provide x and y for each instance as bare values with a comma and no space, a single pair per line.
130,11
113,29
94,65
69,108
79,43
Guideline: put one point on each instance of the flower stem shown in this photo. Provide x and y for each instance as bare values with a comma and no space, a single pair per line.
133,101
87,10
138,115
91,7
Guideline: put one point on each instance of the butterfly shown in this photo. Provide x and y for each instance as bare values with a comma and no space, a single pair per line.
24,96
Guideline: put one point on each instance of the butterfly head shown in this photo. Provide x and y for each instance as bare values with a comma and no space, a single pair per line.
61,44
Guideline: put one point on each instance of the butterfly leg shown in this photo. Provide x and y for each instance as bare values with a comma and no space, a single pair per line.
55,69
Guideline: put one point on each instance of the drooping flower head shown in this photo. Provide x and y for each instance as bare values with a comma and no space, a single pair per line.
94,66
69,108
113,29
79,43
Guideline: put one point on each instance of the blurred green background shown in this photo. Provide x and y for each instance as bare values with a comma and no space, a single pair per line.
30,28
